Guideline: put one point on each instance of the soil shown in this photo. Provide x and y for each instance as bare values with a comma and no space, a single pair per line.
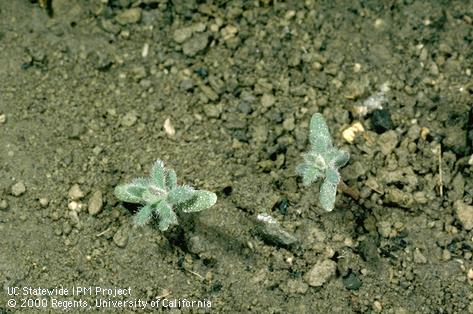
86,89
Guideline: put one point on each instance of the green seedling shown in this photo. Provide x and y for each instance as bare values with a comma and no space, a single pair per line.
161,196
322,162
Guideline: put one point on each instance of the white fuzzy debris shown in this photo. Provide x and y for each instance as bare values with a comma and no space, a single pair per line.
168,128
266,218
374,102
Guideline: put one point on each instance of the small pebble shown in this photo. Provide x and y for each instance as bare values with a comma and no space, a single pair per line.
73,205
350,133
377,307
168,128
3,118
129,16
3,205
18,188
129,119
464,213
95,203
75,192
121,237
419,258
44,201
320,273
381,121
74,218
470,274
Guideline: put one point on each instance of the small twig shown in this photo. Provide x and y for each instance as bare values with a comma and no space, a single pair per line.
440,170
103,232
195,274
352,192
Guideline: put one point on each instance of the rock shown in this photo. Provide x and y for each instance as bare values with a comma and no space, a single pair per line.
272,233
212,111
260,133
398,197
320,273
3,205
182,34
3,118
455,139
419,258
18,188
381,121
464,213
209,92
197,245
384,228
121,237
44,201
195,45
296,286
74,218
108,26
267,100
75,193
129,119
352,282
388,141
354,171
95,203
129,16
289,124
457,187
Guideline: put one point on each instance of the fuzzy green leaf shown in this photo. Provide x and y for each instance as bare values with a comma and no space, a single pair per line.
341,158
167,217
315,159
180,195
332,176
309,173
319,135
144,215
170,179
133,192
328,192
157,174
201,200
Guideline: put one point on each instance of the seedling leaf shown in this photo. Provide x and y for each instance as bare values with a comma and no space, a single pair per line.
201,200
328,192
167,216
319,135
181,194
157,174
144,215
170,179
131,193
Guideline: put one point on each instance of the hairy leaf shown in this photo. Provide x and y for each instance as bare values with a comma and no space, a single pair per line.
157,174
341,158
332,176
309,173
319,135
170,179
180,195
328,191
201,200
167,216
144,215
133,192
